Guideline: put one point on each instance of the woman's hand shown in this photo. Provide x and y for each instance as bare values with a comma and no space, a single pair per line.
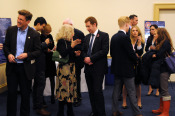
139,40
77,53
154,55
75,42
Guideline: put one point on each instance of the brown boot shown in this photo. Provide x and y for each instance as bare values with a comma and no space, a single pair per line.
166,108
160,110
117,113
42,112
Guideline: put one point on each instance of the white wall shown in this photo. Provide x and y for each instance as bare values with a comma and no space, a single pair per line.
169,17
9,9
106,11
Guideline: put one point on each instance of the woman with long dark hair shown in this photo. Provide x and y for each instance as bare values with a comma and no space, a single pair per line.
151,45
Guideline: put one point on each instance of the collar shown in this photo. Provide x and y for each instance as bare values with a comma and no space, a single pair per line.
24,30
123,30
95,33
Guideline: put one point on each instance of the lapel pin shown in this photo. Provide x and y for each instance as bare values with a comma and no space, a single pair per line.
29,37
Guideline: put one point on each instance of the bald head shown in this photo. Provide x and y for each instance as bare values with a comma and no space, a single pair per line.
68,21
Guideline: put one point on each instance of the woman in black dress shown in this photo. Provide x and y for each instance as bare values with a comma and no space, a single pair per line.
151,45
50,65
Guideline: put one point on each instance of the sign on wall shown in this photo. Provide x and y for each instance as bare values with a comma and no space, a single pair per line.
4,24
160,24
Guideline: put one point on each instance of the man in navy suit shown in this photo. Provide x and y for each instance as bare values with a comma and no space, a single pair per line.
21,48
123,60
95,50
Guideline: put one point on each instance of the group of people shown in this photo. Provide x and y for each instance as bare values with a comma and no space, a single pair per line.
29,55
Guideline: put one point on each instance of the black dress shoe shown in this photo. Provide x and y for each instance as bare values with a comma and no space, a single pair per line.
118,113
91,114
76,104
125,107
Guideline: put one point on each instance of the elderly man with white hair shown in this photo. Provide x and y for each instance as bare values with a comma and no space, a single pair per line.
79,64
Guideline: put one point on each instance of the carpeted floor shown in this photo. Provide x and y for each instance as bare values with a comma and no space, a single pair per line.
148,103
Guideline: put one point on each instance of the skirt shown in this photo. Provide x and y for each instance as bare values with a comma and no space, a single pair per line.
66,87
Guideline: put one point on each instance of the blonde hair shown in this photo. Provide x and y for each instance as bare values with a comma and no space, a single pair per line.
66,31
123,20
46,28
139,34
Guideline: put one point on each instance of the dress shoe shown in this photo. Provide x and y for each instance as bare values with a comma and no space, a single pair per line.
118,113
76,104
125,107
43,112
91,114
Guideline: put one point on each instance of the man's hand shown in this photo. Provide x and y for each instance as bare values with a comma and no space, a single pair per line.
87,60
11,58
22,56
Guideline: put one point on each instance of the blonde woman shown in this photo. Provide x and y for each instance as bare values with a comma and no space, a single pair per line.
67,86
138,46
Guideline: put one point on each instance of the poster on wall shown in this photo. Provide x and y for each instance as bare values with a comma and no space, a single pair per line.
4,24
160,24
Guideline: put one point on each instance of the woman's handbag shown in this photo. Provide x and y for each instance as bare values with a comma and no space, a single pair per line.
170,61
57,57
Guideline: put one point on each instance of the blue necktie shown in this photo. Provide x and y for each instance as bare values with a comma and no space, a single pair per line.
90,45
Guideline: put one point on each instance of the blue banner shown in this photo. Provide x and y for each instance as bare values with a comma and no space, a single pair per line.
4,24
160,24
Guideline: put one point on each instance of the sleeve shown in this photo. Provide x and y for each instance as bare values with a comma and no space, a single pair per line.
104,51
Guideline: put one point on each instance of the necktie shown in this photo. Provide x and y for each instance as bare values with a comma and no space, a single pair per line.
90,45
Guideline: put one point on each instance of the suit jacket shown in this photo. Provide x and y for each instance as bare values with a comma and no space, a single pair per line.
78,35
99,52
123,55
32,48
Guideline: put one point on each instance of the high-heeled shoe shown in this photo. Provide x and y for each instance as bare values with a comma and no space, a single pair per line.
125,107
149,94
140,107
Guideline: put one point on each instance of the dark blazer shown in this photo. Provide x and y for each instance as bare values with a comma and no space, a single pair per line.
149,43
123,55
99,52
32,48
78,35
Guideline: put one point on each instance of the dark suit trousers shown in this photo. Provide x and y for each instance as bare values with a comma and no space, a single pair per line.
38,89
94,82
78,77
14,78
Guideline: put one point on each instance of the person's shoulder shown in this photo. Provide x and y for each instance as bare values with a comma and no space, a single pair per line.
102,32
77,31
12,28
30,29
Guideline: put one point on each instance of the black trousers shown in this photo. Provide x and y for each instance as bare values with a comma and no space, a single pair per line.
38,89
14,78
94,82
78,77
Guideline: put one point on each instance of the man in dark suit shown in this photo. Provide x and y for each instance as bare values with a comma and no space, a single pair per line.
79,64
39,79
123,60
21,48
95,50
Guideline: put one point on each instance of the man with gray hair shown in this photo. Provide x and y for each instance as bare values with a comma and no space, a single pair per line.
78,60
